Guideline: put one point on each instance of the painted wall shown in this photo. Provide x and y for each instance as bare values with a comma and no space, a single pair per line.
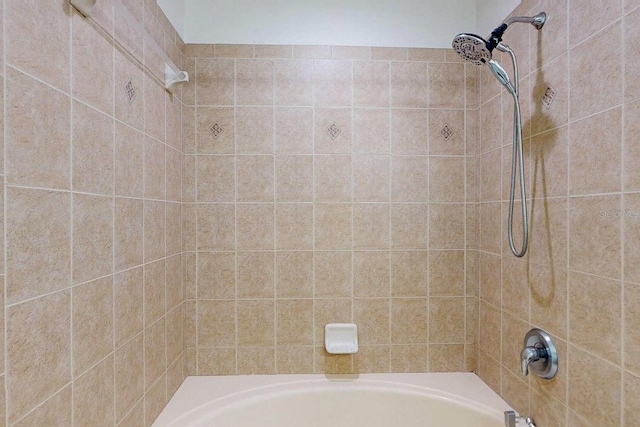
401,23
490,13
175,11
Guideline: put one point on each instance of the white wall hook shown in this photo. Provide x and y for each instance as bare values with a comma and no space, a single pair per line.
83,6
173,80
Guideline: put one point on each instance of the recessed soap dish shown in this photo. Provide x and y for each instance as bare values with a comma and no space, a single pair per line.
341,338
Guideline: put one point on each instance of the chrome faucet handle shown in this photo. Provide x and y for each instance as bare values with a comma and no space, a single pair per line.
539,354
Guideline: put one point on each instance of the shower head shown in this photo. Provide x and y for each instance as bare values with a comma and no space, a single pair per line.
472,48
475,49
501,75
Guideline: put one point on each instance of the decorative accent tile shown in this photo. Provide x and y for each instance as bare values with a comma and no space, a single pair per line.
547,98
216,130
333,131
446,132
130,91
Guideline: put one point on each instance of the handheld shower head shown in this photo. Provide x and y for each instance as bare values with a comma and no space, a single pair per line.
501,75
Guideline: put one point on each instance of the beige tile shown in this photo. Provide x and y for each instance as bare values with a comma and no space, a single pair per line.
490,185
389,53
332,131
454,121
92,64
589,295
332,274
513,332
173,331
446,179
254,82
370,226
446,85
371,84
155,400
255,275
215,81
216,227
189,279
426,54
631,151
409,226
593,89
294,274
294,360
594,241
409,132
215,129
516,393
254,130
38,351
409,84
548,231
371,131
631,333
372,359
371,274
129,152
128,305
173,228
93,395
554,39
128,233
228,51
216,275
189,179
38,243
154,111
92,323
294,322
446,358
549,164
312,52
256,323
330,311
490,124
489,371
255,226
549,299
173,175
154,169
92,237
583,24
189,90
553,75
154,291
55,411
294,130
92,151
351,52
599,404
217,361
175,377
446,226
603,135
42,48
256,360
326,363
154,353
332,83
273,51
489,323
216,178
446,320
174,282
294,226
255,178
631,408
370,178
631,42
294,178
332,178
490,283
293,82
406,358
409,321
372,318
409,179
37,155
517,279
333,228
446,273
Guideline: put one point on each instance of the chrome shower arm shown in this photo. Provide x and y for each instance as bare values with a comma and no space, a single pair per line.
536,20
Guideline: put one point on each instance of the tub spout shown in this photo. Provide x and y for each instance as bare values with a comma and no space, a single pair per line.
512,420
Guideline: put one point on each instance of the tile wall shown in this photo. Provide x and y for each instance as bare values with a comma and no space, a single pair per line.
579,280
327,184
91,178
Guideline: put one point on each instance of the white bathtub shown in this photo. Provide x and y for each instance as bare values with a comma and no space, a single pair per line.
371,400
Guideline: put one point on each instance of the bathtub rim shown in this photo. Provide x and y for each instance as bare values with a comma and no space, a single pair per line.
199,395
